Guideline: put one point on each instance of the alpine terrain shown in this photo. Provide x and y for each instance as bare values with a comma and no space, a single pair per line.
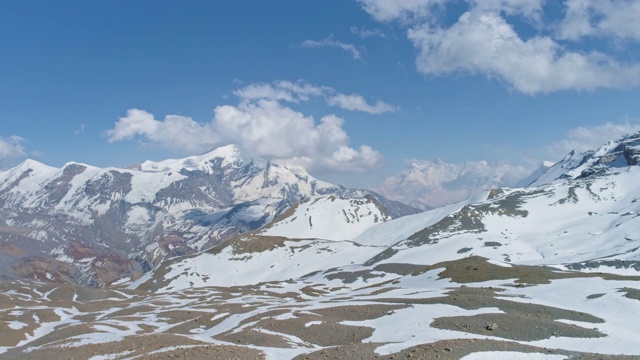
546,271
96,226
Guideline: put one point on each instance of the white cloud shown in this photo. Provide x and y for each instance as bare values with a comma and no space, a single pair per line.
282,90
601,18
385,10
530,9
263,126
358,103
269,129
296,92
175,132
364,33
11,148
484,42
330,42
591,138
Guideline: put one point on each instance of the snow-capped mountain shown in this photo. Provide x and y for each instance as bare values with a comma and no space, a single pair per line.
583,217
547,271
427,184
92,225
620,153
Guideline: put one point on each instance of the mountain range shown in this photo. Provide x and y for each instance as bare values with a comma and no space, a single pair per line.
586,205
94,226
548,270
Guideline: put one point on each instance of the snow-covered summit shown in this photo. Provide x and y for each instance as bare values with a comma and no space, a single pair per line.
229,155
143,214
29,171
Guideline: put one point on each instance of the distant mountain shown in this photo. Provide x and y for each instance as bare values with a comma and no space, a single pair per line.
93,226
427,184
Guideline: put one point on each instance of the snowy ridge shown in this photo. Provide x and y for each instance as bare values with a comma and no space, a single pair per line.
138,216
586,223
576,222
30,174
330,218
618,153
230,155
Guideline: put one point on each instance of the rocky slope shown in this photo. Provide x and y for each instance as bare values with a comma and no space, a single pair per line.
94,226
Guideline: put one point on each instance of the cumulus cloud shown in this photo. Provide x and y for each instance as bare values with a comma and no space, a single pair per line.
385,10
483,42
358,103
274,131
301,91
261,124
601,18
174,132
11,148
589,138
330,42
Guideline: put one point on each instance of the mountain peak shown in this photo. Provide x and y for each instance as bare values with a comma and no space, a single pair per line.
228,154
75,163
35,166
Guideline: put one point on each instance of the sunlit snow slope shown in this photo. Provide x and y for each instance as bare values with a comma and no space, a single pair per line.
584,217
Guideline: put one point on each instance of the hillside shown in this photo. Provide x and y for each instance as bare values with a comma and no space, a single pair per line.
94,226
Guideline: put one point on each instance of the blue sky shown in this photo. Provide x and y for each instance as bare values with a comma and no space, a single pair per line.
351,90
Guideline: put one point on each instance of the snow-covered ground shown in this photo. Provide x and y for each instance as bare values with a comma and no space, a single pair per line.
490,277
285,319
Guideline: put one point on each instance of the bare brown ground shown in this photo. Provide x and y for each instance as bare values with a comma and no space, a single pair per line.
445,350
148,347
283,324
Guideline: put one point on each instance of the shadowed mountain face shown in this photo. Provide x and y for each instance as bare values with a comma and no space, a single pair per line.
94,226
